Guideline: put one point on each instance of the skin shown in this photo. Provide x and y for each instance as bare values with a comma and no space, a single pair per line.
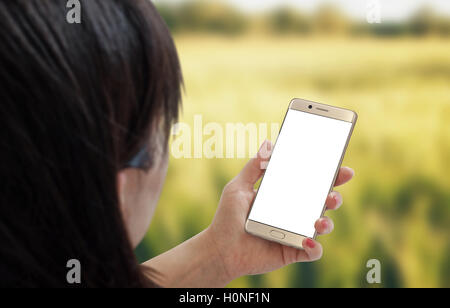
223,251
139,193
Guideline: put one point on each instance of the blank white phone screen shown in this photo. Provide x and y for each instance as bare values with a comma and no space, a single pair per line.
300,172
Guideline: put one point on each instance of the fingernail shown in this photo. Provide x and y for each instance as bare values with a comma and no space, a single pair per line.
351,170
310,243
265,149
337,200
262,146
264,142
324,224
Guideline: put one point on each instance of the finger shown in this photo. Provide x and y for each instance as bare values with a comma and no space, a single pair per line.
312,251
254,169
334,200
324,225
345,174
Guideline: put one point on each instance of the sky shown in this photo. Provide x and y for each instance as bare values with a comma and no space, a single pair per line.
390,10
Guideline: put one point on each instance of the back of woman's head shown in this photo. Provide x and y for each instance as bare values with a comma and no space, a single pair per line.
77,101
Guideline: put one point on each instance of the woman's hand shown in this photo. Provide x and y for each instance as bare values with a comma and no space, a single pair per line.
244,254
224,251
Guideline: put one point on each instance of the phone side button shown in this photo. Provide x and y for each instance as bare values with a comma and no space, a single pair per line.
277,234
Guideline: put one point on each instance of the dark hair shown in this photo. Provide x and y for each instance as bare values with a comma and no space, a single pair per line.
77,102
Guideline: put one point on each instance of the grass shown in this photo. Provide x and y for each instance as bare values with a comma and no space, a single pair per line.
397,209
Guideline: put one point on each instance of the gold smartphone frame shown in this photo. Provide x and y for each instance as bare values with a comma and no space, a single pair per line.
282,236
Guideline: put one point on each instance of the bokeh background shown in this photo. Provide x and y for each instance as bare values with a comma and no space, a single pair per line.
243,61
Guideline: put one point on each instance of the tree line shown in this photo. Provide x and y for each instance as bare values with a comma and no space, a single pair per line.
216,17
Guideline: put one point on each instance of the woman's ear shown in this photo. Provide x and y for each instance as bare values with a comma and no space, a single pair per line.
122,191
138,193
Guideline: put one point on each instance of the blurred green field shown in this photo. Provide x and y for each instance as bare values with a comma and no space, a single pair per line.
397,209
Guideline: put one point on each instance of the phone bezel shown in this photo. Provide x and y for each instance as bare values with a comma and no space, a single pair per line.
291,238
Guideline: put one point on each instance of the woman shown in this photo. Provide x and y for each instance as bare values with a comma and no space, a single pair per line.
86,111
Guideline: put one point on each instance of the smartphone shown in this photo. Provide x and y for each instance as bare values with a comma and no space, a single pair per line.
301,172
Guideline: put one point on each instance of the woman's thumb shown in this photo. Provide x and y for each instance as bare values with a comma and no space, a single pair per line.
254,169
